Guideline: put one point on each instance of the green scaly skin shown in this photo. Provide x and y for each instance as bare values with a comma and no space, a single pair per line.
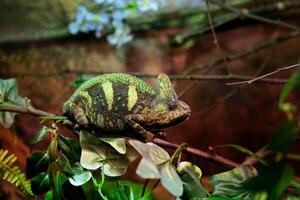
117,102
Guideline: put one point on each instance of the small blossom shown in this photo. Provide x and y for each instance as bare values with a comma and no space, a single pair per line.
148,5
73,27
120,36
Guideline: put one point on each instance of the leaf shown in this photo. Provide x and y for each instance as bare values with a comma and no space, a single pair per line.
80,176
69,147
40,184
59,180
151,152
52,150
117,143
12,173
83,78
273,179
190,175
292,83
147,170
230,184
49,195
247,151
36,163
283,138
170,179
216,198
96,153
125,190
40,135
9,95
64,163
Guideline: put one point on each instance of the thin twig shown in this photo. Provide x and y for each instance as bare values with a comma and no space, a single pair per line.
216,41
265,75
247,14
230,77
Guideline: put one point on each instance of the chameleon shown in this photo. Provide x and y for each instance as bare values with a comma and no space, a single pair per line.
118,102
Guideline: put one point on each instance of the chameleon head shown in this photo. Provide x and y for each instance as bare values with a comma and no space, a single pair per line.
169,110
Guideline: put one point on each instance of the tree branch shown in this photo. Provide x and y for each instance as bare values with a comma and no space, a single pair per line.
246,13
196,152
229,77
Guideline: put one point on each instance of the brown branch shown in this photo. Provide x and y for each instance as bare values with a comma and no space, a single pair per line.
247,14
196,152
26,110
230,77
202,154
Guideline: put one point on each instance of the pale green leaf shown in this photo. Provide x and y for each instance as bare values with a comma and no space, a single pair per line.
96,153
170,179
147,170
80,176
151,152
117,143
9,97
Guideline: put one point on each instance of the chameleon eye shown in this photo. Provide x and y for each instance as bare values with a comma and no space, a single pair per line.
173,105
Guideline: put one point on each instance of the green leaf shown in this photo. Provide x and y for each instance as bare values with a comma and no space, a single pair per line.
59,180
170,180
283,138
69,147
64,163
96,153
9,97
230,184
36,163
49,195
151,152
190,175
40,184
273,179
39,136
80,176
83,78
147,170
52,150
125,190
117,143
216,198
247,151
292,83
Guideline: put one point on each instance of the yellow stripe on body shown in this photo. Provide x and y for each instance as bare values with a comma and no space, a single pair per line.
132,97
108,93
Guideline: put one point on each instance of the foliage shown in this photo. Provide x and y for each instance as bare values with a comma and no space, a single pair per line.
92,167
9,97
12,173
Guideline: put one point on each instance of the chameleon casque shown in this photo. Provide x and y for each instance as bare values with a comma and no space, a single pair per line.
116,102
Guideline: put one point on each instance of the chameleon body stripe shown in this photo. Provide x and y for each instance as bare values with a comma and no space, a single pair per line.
132,97
108,93
100,120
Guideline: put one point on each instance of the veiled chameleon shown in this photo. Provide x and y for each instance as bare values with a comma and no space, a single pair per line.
118,102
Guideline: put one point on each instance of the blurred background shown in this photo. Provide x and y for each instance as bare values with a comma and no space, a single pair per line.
47,45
